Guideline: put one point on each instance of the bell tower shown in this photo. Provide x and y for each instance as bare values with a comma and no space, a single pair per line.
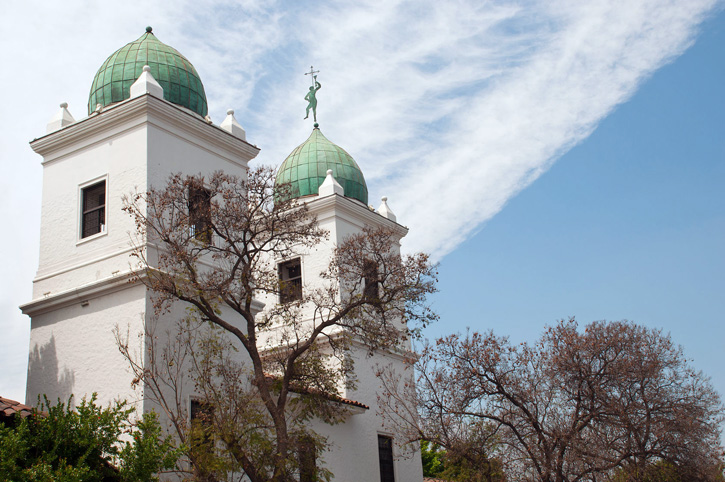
147,118
330,183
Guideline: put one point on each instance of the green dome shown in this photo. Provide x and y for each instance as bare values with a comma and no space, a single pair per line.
176,75
306,168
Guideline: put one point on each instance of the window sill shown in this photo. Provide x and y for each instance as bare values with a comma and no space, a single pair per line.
91,237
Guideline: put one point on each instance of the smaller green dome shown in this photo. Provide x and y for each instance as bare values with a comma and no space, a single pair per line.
306,168
179,79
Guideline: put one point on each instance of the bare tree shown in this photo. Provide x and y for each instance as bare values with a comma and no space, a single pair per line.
213,244
596,405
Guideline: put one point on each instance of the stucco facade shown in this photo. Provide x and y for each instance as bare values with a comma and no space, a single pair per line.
83,290
354,452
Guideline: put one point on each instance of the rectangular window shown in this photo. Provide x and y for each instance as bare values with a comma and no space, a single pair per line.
93,206
307,458
199,411
385,454
200,418
372,284
290,281
199,213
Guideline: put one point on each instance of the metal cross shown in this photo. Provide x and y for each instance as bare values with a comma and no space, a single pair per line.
312,72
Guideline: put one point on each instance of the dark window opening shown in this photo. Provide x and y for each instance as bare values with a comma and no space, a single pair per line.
371,291
200,417
385,454
307,458
93,220
200,213
290,281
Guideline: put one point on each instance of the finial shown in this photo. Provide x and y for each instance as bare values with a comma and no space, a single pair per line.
316,125
312,72
61,119
149,29
384,209
146,84
231,125
311,94
330,186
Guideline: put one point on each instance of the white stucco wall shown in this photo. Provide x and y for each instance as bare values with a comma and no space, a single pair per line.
66,261
134,145
81,291
73,349
169,152
353,455
340,217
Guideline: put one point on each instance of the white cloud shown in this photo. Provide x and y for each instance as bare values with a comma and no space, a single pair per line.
453,107
450,108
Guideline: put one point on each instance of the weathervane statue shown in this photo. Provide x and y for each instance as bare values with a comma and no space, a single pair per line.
311,95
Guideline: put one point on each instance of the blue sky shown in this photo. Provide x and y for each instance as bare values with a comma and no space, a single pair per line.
559,158
629,224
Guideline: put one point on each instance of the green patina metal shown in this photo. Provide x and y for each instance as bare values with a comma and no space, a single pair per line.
172,70
311,96
306,168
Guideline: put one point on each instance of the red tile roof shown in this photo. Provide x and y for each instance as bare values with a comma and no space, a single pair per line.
347,401
8,409
309,391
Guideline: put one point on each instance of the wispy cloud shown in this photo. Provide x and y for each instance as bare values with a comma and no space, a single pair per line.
450,108
453,107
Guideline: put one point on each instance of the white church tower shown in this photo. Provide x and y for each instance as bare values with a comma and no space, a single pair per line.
328,180
147,118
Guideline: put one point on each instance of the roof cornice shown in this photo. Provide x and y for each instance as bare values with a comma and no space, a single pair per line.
94,289
82,293
353,210
136,111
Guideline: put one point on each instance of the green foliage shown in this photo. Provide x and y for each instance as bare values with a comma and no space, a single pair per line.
664,471
432,457
82,445
149,452
64,445
450,465
462,469
660,471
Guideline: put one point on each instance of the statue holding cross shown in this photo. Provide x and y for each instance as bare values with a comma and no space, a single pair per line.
311,95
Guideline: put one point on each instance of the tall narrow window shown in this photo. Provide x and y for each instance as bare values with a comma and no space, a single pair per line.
372,284
93,203
200,418
307,458
290,281
199,213
385,454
